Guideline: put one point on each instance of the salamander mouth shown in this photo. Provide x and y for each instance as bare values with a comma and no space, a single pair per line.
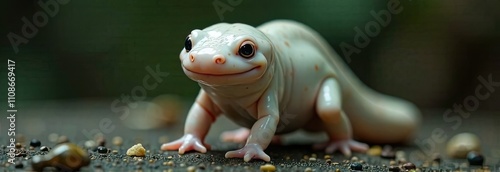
225,74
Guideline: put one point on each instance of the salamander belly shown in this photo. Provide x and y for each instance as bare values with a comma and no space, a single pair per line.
306,74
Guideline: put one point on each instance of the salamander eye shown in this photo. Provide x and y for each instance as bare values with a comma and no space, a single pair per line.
188,44
247,49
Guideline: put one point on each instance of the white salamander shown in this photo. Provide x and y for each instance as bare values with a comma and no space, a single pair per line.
277,78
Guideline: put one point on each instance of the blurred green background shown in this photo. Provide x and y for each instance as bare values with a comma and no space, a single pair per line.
430,53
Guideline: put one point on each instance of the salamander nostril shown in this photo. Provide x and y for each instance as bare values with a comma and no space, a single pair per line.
219,59
191,57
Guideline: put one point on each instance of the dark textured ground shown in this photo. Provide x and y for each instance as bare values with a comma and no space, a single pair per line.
72,119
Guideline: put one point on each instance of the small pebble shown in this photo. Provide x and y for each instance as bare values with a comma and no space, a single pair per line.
218,168
53,137
402,161
425,164
308,169
136,150
435,164
400,154
394,168
474,158
139,162
201,167
19,164
20,153
267,168
356,166
35,143
102,149
387,153
464,165
328,161
66,154
100,140
89,144
44,148
354,158
62,139
409,166
436,157
327,157
312,159
117,141
191,169
374,151
20,138
18,145
459,145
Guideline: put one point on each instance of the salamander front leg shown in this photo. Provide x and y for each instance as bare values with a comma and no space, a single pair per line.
262,131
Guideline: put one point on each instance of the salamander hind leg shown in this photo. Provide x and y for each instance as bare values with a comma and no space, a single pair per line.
240,135
336,123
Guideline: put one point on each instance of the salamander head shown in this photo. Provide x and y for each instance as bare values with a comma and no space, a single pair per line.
226,54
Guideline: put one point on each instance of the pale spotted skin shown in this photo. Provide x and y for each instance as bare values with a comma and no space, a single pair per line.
293,80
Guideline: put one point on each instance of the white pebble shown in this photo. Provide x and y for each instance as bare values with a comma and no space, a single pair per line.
459,145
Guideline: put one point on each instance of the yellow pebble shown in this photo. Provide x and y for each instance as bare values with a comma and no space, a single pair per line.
136,150
327,157
267,168
374,151
117,141
400,154
308,169
191,169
